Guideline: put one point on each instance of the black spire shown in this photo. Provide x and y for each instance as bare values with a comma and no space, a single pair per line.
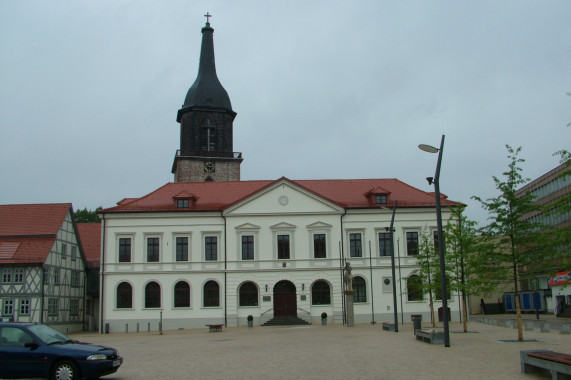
206,92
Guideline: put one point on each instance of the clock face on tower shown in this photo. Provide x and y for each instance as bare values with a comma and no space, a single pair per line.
209,167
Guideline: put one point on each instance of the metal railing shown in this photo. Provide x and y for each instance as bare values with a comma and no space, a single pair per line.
266,316
206,153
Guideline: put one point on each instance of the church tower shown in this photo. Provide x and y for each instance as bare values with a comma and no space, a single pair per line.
206,124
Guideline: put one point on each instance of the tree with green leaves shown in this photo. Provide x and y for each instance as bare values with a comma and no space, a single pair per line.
428,267
87,216
462,255
511,242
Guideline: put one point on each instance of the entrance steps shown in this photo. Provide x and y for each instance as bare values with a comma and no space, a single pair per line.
285,321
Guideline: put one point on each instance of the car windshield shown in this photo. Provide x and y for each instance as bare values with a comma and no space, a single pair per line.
47,334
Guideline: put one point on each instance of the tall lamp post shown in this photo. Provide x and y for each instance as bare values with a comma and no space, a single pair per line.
436,182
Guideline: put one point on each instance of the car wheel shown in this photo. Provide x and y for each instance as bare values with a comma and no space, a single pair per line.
65,370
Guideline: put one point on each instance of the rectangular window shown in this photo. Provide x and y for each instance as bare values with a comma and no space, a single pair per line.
384,244
75,278
53,307
46,276
211,248
19,276
7,307
56,276
412,243
7,275
247,247
74,307
319,246
124,250
182,203
25,307
283,247
355,247
73,252
152,250
380,199
181,249
63,251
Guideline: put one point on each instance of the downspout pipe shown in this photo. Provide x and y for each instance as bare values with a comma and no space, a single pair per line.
341,265
101,276
225,269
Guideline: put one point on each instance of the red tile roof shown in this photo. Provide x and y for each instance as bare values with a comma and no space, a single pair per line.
32,219
90,236
217,196
28,231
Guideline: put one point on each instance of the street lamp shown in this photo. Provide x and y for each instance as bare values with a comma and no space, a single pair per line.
436,182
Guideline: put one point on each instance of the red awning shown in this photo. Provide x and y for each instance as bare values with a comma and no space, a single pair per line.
560,278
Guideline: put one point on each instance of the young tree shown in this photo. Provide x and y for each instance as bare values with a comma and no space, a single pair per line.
428,267
512,242
87,216
461,253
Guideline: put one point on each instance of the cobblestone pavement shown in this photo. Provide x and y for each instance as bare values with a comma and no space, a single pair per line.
326,352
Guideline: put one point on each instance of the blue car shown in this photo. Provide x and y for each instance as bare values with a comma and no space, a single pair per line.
32,350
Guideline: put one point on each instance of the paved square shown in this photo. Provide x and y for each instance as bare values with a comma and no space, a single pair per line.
325,352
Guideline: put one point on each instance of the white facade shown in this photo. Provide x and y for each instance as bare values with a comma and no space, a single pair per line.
282,209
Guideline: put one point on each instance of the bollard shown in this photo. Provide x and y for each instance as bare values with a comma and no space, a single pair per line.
126,327
107,328
149,327
137,326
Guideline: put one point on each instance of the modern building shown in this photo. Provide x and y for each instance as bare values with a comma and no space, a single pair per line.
553,191
42,265
209,248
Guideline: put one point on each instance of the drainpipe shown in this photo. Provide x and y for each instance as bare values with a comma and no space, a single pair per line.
341,264
101,276
42,300
225,270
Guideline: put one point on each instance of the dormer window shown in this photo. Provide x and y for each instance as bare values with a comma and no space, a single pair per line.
184,199
380,199
378,196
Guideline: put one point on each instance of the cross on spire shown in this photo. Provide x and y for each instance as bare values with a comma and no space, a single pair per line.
207,15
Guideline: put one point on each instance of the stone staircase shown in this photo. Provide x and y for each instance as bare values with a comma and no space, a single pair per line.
285,321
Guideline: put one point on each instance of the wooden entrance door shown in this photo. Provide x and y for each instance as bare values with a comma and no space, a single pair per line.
285,303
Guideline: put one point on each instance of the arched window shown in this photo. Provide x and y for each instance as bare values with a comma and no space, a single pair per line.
182,294
320,293
211,294
360,290
248,294
152,295
414,288
124,296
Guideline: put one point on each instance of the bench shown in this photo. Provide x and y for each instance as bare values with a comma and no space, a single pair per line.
434,337
214,328
557,363
388,326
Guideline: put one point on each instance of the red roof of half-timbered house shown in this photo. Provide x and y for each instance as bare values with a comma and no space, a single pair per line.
90,235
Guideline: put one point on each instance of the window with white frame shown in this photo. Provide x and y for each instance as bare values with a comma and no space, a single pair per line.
124,249
18,275
7,307
153,249
53,307
73,252
7,275
319,246
412,243
181,248
355,245
283,241
46,276
384,244
210,248
63,251
247,247
25,306
360,289
283,247
74,307
75,278
56,276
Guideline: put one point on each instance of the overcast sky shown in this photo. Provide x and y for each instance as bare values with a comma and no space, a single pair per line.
89,91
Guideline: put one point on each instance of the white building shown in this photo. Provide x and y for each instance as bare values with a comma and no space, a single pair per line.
210,248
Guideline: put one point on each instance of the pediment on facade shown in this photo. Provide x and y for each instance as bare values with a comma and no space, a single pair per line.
283,197
283,226
318,225
247,226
